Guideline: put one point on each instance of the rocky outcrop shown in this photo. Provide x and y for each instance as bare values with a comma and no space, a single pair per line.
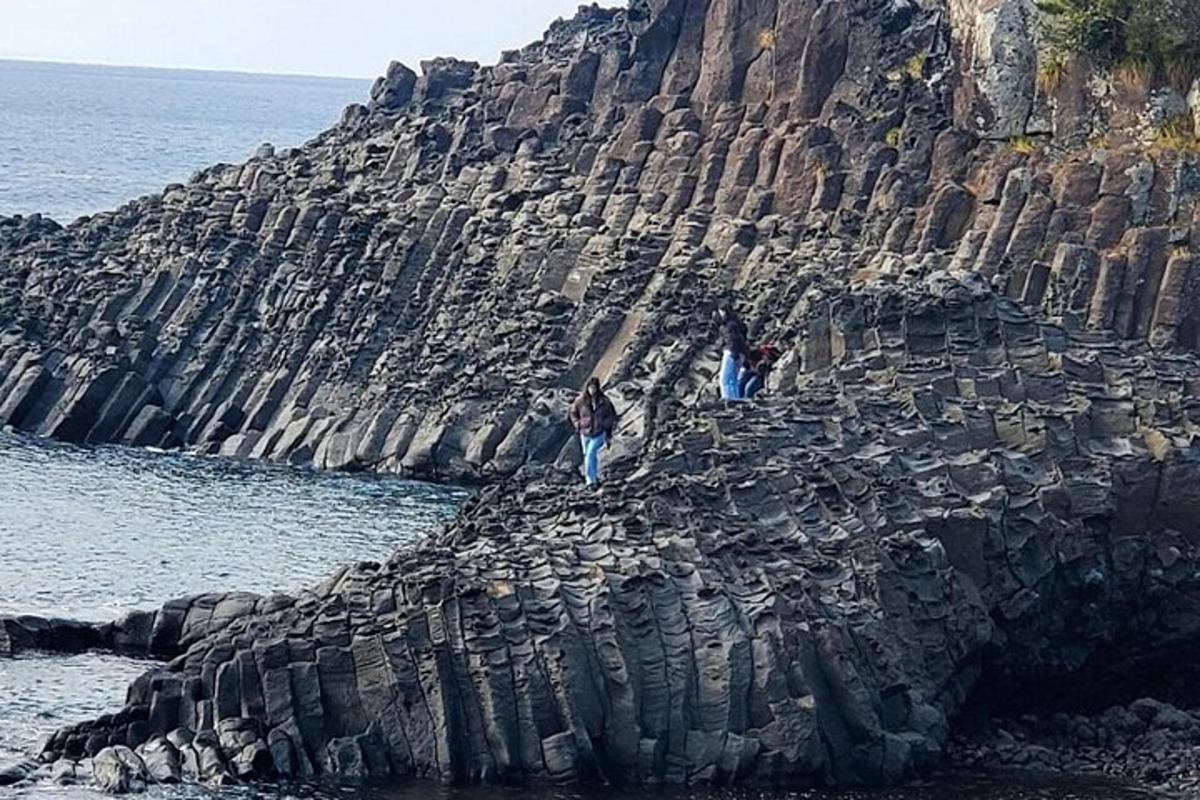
161,634
998,65
420,289
1148,742
974,469
949,491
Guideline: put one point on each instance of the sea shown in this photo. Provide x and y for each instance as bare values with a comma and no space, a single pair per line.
92,533
77,139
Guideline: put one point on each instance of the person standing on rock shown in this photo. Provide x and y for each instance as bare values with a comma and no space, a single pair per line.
734,335
595,418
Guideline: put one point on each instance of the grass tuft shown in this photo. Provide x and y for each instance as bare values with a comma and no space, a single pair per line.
915,68
1023,145
1051,74
1144,43
1177,135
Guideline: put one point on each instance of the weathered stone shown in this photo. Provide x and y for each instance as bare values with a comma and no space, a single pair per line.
118,770
985,394
161,760
395,89
997,43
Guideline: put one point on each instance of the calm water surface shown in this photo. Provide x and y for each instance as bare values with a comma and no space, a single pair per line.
94,533
77,139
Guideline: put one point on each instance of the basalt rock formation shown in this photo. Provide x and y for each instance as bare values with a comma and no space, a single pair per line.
806,590
422,287
974,471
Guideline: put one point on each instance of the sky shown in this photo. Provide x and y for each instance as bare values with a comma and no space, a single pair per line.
345,38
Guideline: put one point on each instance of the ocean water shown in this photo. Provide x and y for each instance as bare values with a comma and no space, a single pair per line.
94,533
77,139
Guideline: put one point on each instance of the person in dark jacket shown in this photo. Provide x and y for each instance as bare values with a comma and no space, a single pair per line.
758,368
595,419
734,334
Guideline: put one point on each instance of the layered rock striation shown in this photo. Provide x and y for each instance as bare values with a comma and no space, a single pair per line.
421,288
802,591
975,468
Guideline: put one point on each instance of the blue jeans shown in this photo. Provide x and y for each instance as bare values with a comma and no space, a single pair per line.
730,385
752,387
591,456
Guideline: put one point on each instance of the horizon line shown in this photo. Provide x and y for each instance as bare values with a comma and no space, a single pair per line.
209,70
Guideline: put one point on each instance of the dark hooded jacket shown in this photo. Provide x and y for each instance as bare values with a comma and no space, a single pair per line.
762,360
593,418
735,335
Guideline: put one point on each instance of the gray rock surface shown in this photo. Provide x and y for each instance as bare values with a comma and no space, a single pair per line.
805,590
975,464
995,40
416,289
119,770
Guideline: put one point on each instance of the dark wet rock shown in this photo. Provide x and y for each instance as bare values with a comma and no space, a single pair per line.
161,634
16,773
1148,743
18,634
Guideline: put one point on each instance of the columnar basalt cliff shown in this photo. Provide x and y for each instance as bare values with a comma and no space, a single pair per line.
975,467
420,288
805,590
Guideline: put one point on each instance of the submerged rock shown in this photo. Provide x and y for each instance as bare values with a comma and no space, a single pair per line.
16,773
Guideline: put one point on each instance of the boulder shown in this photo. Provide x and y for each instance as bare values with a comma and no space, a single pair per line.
393,91
118,770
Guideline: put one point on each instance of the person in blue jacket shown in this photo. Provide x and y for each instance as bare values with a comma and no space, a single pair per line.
735,352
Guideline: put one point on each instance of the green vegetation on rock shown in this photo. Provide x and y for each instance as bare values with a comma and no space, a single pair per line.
1159,36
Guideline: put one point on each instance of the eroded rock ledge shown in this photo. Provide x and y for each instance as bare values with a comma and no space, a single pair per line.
806,590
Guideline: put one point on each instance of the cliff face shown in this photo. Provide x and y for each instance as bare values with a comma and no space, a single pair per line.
974,468
804,591
422,287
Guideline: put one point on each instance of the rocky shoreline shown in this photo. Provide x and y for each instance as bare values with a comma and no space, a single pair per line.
1148,743
739,603
974,468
